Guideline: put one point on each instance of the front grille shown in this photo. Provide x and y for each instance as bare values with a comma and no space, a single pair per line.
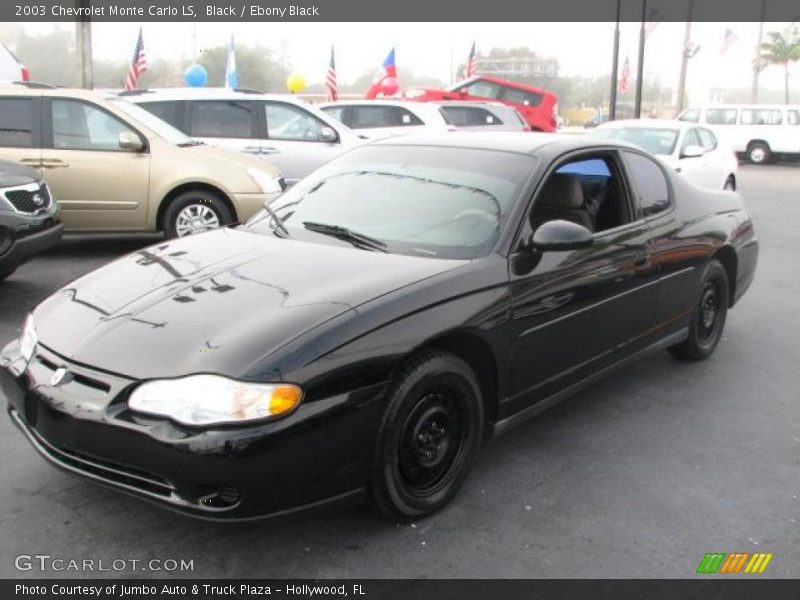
30,200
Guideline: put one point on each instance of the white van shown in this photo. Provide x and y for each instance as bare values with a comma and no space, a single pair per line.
759,131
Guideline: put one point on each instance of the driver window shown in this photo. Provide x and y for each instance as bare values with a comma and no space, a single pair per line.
690,139
287,122
79,126
587,191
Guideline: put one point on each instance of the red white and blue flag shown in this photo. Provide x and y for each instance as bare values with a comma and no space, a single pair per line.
728,40
330,80
388,69
624,77
472,63
138,64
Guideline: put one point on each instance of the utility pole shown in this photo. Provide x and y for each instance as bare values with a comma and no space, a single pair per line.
612,103
757,59
685,58
637,107
83,44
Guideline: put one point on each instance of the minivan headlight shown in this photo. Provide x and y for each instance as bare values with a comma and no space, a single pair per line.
199,400
266,182
28,339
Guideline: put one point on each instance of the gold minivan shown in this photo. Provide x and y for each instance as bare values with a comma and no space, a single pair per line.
114,167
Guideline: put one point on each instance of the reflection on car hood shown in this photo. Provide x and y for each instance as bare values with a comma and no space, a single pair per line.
217,302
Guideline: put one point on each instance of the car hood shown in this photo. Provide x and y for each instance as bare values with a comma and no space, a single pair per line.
12,174
217,302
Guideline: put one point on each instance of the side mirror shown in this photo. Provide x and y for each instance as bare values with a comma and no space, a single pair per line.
561,235
693,151
328,134
130,141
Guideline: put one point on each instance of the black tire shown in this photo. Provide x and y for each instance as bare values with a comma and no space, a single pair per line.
6,274
204,204
730,184
759,153
429,437
708,318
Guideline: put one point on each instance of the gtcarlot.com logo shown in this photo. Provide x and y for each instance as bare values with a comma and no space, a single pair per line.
734,562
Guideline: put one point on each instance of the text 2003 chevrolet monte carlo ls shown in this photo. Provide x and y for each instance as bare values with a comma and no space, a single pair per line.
361,336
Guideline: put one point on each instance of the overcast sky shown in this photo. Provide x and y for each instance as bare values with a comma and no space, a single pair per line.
581,48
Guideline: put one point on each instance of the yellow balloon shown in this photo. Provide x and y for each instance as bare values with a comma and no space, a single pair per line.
295,83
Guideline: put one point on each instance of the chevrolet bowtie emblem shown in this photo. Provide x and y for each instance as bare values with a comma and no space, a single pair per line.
58,376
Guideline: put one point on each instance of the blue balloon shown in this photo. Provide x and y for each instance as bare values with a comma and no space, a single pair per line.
196,76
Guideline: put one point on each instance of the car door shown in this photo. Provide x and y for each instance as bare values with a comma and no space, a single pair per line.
99,185
294,140
20,130
575,312
721,162
230,123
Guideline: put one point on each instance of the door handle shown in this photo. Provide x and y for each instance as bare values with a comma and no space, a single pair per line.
54,163
32,162
252,149
269,150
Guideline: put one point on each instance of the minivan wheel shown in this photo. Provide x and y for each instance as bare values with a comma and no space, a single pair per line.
429,436
708,318
195,211
759,153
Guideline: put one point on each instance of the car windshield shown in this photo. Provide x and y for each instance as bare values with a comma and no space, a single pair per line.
417,200
655,140
153,123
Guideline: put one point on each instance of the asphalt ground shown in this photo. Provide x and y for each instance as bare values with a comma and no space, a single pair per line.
638,476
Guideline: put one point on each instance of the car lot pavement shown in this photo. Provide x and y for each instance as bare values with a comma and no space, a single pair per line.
638,476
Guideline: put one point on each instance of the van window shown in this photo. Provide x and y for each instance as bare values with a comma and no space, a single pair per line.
794,117
470,116
367,117
692,115
482,89
80,126
721,116
166,111
521,96
762,116
707,139
16,122
292,123
222,118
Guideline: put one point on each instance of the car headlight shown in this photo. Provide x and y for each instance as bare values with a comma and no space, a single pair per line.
265,181
28,339
214,400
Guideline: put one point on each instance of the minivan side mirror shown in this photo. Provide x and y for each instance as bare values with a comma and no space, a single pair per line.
560,235
328,134
693,151
130,141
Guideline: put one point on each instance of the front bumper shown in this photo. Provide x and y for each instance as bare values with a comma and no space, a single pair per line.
316,458
24,245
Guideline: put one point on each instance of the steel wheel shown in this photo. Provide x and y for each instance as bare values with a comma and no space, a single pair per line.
196,218
707,322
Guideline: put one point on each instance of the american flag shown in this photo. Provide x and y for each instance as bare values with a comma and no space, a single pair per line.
330,80
138,64
624,76
472,63
728,40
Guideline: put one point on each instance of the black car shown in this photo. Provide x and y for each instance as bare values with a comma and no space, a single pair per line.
363,335
28,216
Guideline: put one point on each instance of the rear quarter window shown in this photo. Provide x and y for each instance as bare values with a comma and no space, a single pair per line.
650,183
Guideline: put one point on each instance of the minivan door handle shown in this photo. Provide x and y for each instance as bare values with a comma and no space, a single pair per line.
31,162
252,149
269,150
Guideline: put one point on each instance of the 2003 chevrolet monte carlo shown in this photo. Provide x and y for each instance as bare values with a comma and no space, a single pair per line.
361,336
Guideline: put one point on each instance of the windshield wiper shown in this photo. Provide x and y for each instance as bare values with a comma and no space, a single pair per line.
359,240
274,218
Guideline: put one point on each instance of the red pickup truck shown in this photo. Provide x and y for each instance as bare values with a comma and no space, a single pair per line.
539,107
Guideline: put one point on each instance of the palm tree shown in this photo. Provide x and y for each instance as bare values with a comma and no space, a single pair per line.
781,49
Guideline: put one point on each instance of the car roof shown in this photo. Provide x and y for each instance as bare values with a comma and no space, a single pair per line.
410,104
507,82
479,103
649,123
44,89
504,141
204,93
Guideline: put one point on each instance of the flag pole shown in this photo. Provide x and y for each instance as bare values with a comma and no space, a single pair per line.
685,58
612,103
637,110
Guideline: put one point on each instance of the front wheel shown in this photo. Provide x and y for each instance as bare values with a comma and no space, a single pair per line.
195,211
759,153
708,319
429,436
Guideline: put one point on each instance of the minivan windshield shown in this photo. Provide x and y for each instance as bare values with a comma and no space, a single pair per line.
153,123
441,202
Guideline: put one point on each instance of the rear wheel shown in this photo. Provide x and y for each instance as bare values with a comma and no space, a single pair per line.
759,153
708,320
195,211
429,437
